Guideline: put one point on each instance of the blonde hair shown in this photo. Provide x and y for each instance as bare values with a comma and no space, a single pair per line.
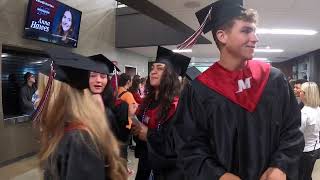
311,94
67,104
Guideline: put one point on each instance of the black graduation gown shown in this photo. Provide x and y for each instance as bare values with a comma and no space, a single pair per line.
216,136
159,150
75,160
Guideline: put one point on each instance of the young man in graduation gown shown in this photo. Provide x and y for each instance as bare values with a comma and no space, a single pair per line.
239,119
154,141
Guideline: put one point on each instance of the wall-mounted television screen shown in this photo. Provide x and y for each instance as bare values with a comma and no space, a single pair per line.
52,21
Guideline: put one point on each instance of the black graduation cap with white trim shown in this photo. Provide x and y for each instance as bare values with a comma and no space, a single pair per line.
178,61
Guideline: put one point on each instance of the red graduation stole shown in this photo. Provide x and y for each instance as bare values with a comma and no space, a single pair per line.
243,87
71,126
151,116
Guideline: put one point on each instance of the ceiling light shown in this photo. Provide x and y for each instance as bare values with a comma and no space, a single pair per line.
287,31
182,50
121,6
268,50
261,59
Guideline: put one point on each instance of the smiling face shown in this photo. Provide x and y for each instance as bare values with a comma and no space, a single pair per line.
66,22
239,41
97,82
156,72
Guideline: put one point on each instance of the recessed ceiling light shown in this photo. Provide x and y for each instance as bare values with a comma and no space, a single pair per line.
268,50
182,50
287,31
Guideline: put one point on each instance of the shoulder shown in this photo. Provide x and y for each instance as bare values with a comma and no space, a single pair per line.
276,73
128,97
24,88
307,110
76,139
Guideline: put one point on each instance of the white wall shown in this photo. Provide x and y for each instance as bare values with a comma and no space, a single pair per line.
97,31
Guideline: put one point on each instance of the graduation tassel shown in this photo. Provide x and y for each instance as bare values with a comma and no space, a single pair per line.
116,79
188,43
44,99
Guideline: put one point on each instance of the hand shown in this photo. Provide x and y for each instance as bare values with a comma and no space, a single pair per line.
132,109
143,132
229,176
135,128
273,174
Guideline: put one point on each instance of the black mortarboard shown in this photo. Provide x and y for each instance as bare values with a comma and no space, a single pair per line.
70,68
179,62
192,73
66,67
222,11
106,65
212,17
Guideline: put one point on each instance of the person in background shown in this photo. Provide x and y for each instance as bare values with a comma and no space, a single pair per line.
142,87
154,144
239,119
134,89
310,126
297,89
292,82
125,82
76,141
26,92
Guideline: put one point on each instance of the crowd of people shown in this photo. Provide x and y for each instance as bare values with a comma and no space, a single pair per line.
240,119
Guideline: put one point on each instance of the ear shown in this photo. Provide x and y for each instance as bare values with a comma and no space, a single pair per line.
222,36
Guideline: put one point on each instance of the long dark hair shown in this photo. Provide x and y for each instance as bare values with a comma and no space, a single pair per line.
108,95
169,88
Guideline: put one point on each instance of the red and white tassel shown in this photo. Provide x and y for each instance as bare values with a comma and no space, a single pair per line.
188,43
44,99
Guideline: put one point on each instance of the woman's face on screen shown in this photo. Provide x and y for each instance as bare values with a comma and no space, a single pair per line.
66,21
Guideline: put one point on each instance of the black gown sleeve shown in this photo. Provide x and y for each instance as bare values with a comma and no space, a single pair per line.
193,142
78,160
161,148
291,143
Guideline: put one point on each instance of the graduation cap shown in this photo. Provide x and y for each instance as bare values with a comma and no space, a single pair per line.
179,62
214,16
107,66
222,12
70,68
192,73
66,67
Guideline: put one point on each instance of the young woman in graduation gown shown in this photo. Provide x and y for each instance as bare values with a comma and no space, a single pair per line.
155,147
76,142
102,91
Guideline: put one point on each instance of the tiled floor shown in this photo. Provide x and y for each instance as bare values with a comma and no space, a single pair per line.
27,170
